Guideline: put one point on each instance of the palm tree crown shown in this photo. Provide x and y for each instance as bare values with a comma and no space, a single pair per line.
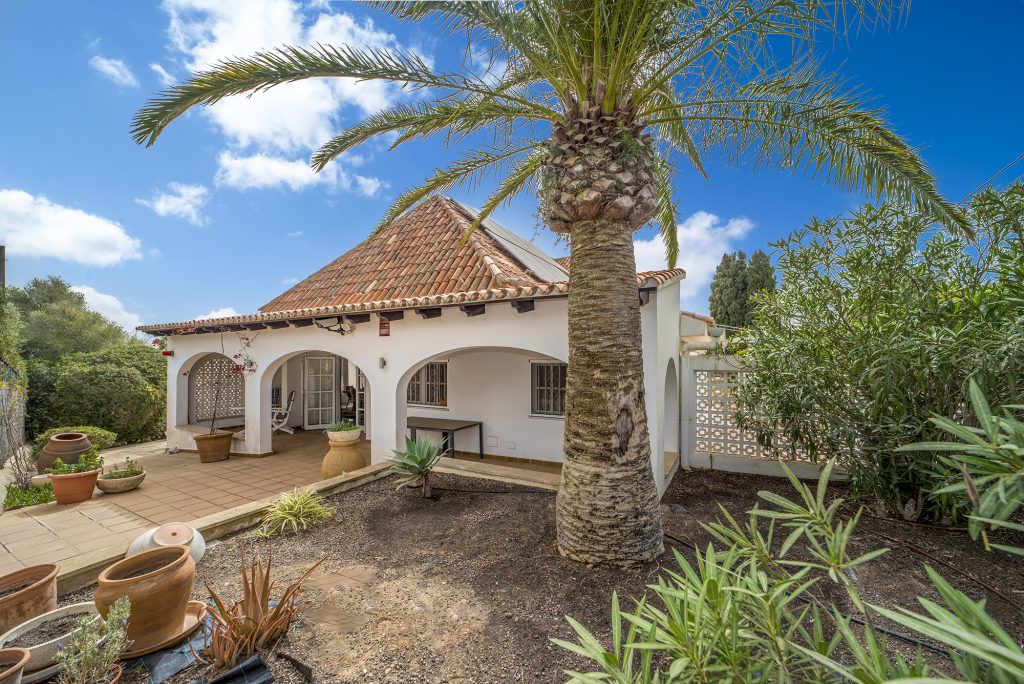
679,77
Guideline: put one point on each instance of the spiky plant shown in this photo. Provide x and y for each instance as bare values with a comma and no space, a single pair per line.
592,103
295,510
414,465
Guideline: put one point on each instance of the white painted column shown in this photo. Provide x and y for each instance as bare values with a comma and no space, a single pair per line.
383,412
257,414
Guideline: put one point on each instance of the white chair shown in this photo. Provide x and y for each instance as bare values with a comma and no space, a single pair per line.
279,416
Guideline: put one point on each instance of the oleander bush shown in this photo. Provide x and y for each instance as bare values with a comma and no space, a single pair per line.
880,322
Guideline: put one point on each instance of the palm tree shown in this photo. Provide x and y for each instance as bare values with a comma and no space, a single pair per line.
591,103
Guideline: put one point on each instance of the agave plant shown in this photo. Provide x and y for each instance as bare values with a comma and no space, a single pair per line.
252,623
593,104
415,463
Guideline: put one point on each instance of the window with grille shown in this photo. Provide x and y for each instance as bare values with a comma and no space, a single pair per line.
429,386
547,388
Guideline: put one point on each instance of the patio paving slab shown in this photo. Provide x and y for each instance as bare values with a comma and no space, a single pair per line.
178,488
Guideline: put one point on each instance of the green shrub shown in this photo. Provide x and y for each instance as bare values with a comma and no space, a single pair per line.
118,388
90,654
416,463
88,461
750,611
880,322
295,510
343,426
18,497
130,468
98,437
39,412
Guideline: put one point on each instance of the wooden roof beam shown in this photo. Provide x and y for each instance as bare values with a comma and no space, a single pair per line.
472,309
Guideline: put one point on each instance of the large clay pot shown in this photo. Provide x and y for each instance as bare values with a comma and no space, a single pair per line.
74,487
159,584
12,662
38,594
67,446
213,448
43,654
343,456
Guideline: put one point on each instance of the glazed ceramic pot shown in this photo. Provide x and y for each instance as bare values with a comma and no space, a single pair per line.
37,594
120,484
12,664
67,446
170,534
158,583
44,653
74,487
213,448
40,480
343,456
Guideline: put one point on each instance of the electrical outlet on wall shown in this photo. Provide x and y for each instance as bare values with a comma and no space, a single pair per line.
491,441
510,445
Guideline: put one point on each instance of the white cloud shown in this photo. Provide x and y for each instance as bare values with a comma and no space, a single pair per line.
703,239
290,281
114,69
294,234
260,170
223,312
292,117
165,76
181,200
109,306
36,227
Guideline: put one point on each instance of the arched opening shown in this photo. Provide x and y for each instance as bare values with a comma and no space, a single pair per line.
304,392
216,392
670,428
502,405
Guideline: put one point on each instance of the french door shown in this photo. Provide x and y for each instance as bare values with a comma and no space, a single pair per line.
320,396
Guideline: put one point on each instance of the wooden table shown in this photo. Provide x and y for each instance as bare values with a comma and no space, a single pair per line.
447,427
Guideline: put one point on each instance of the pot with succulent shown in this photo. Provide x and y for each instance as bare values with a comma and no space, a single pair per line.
343,453
75,482
216,444
90,654
122,479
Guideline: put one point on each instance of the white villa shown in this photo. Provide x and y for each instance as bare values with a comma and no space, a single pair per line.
416,327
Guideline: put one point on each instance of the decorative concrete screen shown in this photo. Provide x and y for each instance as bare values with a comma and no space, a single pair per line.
712,436
203,379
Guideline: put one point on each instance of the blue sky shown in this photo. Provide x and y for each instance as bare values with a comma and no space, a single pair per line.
222,215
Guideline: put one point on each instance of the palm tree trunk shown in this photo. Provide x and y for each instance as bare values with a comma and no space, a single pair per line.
608,508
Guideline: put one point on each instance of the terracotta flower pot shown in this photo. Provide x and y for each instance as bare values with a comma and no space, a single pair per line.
213,448
43,649
37,595
120,484
67,446
74,487
159,584
12,664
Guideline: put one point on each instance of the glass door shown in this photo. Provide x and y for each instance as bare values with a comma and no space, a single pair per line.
320,392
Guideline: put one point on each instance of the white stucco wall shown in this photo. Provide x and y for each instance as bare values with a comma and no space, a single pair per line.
489,373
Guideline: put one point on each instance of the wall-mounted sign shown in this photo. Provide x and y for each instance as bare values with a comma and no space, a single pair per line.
385,328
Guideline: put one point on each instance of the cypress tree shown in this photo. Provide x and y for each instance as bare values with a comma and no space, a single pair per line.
728,301
760,275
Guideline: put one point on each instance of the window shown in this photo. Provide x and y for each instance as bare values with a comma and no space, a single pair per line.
547,388
429,386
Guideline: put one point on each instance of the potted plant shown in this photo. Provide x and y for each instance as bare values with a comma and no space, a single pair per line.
44,635
90,654
124,479
216,445
415,463
74,482
342,455
27,593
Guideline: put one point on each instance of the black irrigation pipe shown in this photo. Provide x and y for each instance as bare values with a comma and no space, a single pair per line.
492,491
853,618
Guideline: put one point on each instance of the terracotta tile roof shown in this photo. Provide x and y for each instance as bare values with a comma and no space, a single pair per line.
418,261
420,254
565,261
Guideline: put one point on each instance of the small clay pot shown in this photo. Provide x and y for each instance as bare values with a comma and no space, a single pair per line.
38,594
14,660
74,487
67,446
120,484
213,448
158,583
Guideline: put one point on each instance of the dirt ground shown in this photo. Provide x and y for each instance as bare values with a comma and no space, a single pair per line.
470,587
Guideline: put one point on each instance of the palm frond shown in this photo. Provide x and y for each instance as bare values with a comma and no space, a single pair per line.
518,179
667,213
